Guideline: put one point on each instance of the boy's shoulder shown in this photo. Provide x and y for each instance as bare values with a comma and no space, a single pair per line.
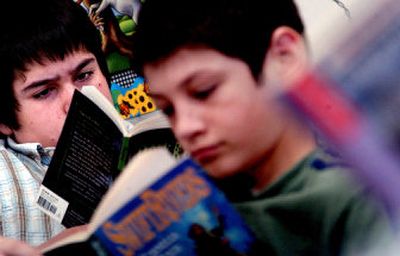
5,151
327,178
20,156
320,197
320,185
2,142
8,156
319,170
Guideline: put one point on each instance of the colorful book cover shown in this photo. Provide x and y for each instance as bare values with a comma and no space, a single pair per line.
130,96
181,214
116,22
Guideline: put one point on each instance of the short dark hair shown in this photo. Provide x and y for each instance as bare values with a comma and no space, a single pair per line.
238,28
45,29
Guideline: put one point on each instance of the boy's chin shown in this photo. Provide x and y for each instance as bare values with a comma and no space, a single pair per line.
220,171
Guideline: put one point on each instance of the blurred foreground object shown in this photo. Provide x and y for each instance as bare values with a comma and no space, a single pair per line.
355,99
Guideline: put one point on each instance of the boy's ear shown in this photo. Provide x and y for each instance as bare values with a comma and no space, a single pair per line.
5,130
287,57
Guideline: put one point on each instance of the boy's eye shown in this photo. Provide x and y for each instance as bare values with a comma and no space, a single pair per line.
203,94
84,76
43,93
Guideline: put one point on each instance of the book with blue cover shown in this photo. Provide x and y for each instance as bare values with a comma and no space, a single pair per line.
159,206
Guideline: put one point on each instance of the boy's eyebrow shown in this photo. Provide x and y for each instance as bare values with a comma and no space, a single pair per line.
188,80
182,83
197,76
39,83
84,63
185,82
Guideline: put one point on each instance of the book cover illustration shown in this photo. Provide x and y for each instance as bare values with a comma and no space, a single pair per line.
116,22
181,214
131,100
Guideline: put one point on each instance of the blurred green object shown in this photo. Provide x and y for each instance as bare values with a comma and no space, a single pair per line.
115,61
127,25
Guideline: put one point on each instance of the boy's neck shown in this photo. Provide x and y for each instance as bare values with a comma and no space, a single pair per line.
295,144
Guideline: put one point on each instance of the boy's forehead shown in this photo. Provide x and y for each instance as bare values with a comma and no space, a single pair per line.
42,57
185,62
21,73
28,65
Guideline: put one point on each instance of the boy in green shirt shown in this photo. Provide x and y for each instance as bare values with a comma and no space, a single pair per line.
213,67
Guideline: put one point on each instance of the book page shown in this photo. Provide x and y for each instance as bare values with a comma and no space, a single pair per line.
149,121
98,98
154,120
71,235
144,169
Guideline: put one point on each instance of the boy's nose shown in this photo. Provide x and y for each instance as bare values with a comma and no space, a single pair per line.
67,93
188,124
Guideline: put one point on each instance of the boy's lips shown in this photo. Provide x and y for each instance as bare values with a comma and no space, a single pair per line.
205,154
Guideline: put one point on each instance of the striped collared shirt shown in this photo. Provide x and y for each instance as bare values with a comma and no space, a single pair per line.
22,169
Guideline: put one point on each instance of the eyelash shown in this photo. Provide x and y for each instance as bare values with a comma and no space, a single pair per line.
199,95
86,76
81,77
43,93
203,94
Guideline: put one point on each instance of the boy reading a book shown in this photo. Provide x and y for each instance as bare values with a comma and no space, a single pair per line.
52,50
213,67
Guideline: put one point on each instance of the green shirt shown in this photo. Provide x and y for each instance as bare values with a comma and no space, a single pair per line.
316,209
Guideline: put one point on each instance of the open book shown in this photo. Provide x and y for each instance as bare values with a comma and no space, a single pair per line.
160,206
93,148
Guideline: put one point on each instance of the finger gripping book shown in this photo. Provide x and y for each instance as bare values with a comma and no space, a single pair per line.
159,206
94,146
